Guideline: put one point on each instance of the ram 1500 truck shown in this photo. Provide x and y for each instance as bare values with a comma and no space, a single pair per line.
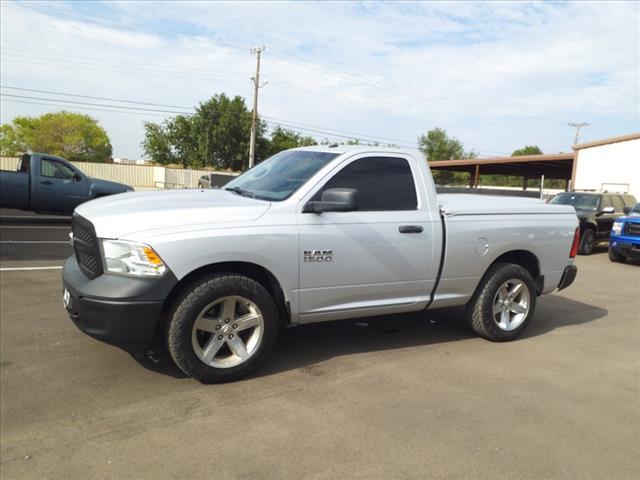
309,235
45,183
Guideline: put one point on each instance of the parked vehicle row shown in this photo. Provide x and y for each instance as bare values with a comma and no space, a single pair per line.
309,235
46,183
596,213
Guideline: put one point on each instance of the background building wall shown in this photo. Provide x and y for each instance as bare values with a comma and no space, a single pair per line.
612,167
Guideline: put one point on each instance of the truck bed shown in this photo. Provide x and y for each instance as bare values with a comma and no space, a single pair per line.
469,204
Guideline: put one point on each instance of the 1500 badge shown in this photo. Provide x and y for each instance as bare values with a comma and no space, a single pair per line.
318,256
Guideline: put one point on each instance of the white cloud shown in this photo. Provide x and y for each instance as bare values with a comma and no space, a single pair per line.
496,75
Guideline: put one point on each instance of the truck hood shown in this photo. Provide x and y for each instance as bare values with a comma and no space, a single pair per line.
128,213
469,204
110,186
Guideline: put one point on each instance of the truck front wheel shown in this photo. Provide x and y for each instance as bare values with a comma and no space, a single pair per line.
614,256
504,303
222,327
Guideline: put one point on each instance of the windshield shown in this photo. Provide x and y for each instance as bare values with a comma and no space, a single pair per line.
578,200
278,177
636,209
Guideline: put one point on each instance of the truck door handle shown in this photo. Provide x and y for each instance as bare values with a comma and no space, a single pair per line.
46,182
410,229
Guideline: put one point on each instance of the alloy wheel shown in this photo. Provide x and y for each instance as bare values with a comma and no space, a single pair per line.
227,332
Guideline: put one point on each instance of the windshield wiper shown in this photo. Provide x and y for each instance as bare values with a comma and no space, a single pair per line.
242,191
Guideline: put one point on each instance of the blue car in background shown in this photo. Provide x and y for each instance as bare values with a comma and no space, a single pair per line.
625,236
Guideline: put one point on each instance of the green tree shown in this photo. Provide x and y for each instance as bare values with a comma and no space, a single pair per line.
216,136
283,139
73,136
156,143
527,150
437,145
9,144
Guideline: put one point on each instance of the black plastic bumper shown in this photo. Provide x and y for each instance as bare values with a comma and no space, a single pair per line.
115,308
631,250
568,276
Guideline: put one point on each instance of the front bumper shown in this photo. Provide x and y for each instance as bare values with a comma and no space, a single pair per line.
624,245
568,276
115,308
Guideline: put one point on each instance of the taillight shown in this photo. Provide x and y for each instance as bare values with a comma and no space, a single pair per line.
576,242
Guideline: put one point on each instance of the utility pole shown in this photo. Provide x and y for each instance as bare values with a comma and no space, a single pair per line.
577,126
254,116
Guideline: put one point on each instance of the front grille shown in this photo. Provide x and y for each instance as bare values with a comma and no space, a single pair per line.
85,246
632,229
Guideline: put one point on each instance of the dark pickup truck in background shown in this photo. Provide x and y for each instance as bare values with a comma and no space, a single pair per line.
596,212
45,183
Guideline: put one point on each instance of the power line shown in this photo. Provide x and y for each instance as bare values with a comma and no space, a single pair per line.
311,131
291,89
146,113
81,107
269,119
93,97
359,82
93,104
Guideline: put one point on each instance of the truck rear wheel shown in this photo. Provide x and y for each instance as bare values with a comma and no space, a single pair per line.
222,327
504,303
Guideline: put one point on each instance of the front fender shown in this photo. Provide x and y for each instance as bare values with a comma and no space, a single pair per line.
273,248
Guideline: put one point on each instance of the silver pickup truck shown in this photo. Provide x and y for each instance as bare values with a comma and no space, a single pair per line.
309,235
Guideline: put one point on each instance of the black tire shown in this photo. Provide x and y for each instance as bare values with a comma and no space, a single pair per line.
615,256
587,241
191,303
480,308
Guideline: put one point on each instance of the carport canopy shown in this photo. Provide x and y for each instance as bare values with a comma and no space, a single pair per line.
557,166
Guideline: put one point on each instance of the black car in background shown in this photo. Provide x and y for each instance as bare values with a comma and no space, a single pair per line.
596,212
215,180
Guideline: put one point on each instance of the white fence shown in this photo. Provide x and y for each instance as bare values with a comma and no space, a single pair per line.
140,176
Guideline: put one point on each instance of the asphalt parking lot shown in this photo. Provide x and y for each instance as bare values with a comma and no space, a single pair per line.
414,396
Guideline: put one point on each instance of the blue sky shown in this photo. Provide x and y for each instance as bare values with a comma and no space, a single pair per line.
495,75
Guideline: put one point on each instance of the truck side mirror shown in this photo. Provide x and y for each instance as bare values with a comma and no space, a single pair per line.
626,210
334,200
76,177
607,210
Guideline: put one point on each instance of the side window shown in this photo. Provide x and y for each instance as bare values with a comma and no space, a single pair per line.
383,183
618,204
25,161
629,200
54,169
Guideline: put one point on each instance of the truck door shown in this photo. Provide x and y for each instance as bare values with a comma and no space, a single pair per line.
58,187
605,220
372,260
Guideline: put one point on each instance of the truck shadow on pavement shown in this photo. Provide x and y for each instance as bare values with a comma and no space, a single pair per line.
306,346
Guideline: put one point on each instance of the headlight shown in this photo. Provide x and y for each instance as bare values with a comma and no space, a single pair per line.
617,228
131,258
